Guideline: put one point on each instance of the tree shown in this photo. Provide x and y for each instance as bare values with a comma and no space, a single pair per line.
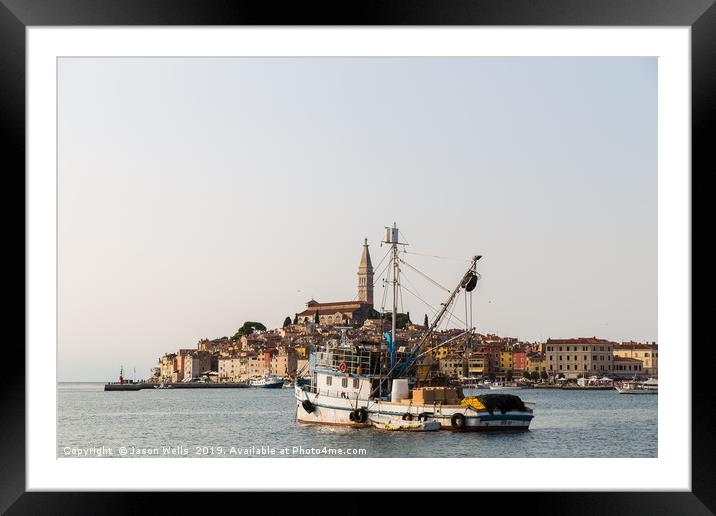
527,374
425,321
286,321
400,320
508,375
247,329
295,319
543,374
316,318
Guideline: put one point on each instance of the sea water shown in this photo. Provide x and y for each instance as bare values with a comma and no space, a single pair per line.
261,423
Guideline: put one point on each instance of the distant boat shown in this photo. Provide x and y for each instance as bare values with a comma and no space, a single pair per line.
267,382
162,386
651,386
498,386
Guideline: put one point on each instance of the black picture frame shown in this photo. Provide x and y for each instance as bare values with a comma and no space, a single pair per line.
699,15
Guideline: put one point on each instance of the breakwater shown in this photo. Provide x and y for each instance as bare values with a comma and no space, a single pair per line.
195,385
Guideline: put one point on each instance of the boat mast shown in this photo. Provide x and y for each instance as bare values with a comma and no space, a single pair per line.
391,237
395,300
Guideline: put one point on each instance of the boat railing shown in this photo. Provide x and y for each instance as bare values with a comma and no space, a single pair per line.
344,361
331,393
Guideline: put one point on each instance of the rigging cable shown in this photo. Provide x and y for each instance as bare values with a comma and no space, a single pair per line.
429,305
438,257
417,294
385,294
426,276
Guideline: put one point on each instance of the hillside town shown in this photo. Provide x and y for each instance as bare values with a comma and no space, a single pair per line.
284,352
254,350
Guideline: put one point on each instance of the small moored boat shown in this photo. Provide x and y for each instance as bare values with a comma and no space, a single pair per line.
650,386
267,382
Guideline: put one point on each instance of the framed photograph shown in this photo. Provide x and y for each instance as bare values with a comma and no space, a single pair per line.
440,247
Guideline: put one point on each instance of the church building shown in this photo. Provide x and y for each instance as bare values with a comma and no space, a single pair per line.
346,312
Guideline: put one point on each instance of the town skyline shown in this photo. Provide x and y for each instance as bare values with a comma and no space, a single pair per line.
196,194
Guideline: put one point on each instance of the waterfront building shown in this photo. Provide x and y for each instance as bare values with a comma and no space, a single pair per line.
506,361
648,354
180,359
197,364
625,367
346,312
284,364
519,361
536,362
477,364
584,356
230,369
166,366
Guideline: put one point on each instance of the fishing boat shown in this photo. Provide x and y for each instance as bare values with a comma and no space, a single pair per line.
650,386
266,381
357,384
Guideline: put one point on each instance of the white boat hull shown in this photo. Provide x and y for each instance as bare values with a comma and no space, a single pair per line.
636,391
329,410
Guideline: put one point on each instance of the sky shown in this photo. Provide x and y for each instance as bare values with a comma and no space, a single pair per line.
197,193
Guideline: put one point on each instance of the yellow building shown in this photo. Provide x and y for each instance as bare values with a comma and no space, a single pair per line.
536,362
505,361
574,358
648,354
477,365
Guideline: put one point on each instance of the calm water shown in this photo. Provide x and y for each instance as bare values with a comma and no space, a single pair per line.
240,422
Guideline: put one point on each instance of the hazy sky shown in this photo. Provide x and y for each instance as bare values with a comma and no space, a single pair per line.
195,194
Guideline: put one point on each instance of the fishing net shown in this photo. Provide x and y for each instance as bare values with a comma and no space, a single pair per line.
473,403
502,402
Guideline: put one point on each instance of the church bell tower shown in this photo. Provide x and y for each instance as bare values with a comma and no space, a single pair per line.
365,276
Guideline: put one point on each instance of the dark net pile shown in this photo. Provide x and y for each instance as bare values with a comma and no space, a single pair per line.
502,402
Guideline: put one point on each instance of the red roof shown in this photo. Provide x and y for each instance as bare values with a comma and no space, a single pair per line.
339,306
579,340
